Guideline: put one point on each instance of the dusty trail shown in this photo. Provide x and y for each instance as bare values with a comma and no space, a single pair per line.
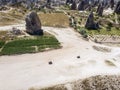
21,72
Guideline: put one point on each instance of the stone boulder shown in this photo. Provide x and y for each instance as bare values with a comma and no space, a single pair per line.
33,24
117,8
16,31
90,24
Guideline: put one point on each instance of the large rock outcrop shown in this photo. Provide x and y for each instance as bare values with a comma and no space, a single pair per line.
117,8
90,24
33,24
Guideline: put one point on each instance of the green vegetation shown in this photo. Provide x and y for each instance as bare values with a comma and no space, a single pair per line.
107,23
29,45
1,44
83,33
17,50
104,31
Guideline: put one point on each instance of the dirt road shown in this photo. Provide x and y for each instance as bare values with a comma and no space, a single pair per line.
22,72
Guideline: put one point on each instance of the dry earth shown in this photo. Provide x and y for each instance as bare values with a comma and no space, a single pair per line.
22,72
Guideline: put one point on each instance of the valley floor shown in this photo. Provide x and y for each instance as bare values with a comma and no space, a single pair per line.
22,72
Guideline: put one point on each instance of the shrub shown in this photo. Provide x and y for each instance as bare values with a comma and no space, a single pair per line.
109,26
85,35
83,32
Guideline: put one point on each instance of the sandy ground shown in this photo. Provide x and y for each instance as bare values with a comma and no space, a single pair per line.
22,72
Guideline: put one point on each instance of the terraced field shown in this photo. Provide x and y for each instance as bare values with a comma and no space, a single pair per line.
22,46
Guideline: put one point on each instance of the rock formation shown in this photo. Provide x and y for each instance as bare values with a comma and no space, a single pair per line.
13,2
16,31
48,5
74,5
81,5
117,8
100,9
33,24
69,1
90,24
84,5
112,3
48,1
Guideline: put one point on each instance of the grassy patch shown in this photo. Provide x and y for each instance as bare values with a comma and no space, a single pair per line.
113,31
42,48
1,44
29,45
54,19
102,31
17,50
